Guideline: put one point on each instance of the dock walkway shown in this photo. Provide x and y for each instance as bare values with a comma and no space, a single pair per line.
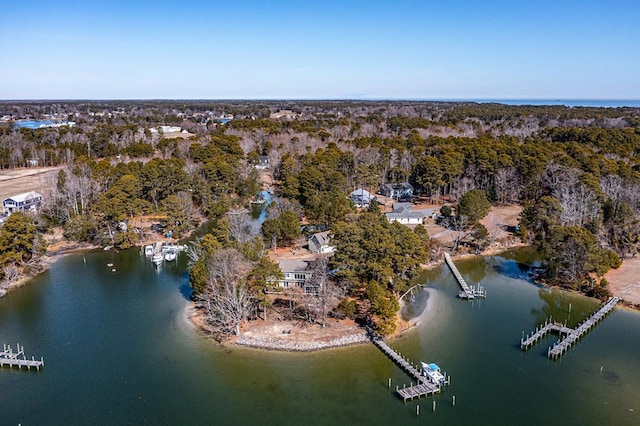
568,336
467,292
423,386
10,358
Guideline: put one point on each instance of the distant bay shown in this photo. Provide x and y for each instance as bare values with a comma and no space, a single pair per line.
594,103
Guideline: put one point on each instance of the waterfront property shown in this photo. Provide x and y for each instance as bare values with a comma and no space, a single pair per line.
296,274
428,382
568,336
89,329
25,202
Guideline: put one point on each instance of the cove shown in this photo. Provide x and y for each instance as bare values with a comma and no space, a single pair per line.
119,350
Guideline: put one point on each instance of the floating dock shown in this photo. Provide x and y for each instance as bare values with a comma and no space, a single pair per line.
467,292
11,359
423,386
568,336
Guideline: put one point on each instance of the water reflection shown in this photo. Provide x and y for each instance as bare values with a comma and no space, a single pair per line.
563,306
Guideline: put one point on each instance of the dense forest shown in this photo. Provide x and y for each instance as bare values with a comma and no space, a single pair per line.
576,172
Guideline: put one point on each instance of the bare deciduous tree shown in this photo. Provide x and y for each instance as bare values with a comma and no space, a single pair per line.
227,298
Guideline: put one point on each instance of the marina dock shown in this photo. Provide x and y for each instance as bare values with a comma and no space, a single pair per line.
423,386
467,292
568,336
18,359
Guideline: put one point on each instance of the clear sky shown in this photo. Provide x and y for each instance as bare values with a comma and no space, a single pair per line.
320,49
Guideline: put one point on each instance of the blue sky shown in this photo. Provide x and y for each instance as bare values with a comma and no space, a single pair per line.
518,49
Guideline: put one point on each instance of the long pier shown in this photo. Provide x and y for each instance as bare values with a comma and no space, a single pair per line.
467,292
423,386
568,336
10,358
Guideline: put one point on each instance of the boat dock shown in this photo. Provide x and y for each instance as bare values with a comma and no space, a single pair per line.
10,358
568,336
467,292
423,386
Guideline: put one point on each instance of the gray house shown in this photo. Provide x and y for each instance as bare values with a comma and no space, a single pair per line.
319,243
361,197
296,274
28,201
398,191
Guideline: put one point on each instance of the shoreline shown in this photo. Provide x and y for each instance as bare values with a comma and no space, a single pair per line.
403,326
278,341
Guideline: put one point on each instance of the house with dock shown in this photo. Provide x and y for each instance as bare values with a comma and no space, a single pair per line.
25,202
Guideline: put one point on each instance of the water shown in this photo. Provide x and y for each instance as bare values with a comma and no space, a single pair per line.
118,350
595,103
33,124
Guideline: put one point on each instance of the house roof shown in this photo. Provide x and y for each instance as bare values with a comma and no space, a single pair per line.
405,214
322,238
360,192
293,265
401,207
24,196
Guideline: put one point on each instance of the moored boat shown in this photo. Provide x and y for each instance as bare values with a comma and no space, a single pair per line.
433,374
157,258
170,255
148,250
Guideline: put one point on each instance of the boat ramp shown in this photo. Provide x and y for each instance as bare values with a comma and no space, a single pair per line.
423,386
568,336
467,292
18,359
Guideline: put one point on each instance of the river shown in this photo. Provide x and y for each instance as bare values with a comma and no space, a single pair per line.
118,350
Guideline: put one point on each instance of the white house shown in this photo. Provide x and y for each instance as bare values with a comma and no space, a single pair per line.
403,213
28,201
319,243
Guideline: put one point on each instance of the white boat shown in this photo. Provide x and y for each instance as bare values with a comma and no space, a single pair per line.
432,372
157,258
170,255
148,250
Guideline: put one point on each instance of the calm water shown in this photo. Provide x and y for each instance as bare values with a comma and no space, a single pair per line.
118,351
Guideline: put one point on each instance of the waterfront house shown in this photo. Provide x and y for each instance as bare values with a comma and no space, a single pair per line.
319,243
398,191
28,201
404,214
296,274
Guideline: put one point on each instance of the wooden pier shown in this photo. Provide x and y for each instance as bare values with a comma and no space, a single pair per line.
568,336
467,292
10,358
423,386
